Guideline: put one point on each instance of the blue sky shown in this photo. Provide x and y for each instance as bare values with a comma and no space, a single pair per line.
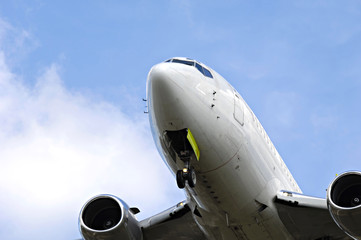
72,76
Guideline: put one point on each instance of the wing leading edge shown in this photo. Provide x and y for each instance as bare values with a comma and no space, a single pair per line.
307,217
176,223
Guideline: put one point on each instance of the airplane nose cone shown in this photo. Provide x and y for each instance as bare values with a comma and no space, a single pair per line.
161,79
165,93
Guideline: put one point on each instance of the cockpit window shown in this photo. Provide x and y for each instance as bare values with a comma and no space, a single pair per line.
203,70
190,63
207,73
200,68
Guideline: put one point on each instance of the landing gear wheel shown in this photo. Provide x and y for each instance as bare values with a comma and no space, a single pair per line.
191,177
180,179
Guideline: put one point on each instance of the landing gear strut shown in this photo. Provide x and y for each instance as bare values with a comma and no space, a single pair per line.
187,174
183,148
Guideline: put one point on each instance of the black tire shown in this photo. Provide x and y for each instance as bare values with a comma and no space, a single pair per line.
180,179
191,178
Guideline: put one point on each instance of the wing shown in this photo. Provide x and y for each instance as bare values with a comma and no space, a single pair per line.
176,223
307,217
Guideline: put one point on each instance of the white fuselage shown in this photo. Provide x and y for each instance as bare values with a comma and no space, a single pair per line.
239,170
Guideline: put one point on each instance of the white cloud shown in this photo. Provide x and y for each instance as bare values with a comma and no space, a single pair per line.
59,148
17,43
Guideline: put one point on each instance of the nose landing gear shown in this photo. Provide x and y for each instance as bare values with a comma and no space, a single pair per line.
186,175
183,148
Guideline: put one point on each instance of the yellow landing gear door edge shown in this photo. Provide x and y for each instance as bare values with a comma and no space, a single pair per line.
193,143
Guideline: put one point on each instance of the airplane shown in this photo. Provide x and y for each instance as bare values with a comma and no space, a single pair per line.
237,185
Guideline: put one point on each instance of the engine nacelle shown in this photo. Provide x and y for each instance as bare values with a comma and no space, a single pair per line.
107,217
344,202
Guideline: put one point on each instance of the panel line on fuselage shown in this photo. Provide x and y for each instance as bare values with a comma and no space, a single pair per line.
223,164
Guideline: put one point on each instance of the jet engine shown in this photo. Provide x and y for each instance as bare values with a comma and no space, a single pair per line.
344,202
107,217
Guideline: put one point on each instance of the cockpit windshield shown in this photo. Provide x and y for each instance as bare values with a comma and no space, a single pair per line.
190,62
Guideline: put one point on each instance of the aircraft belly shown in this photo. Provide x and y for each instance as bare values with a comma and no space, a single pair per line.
228,163
224,160
226,187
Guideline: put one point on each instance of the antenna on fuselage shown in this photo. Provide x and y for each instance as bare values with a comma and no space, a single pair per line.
145,100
